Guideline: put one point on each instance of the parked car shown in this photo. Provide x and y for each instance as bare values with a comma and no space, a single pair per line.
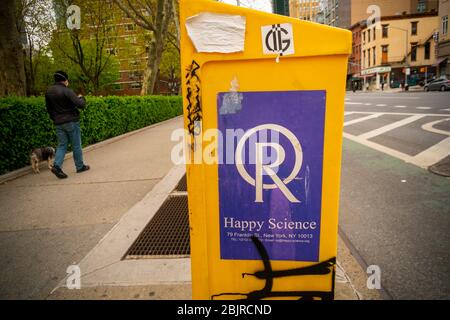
440,84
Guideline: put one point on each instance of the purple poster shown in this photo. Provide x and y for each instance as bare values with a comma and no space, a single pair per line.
270,173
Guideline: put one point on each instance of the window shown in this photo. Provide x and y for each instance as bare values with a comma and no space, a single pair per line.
136,85
133,63
130,27
117,86
112,51
131,39
384,54
368,57
414,28
414,51
364,36
134,75
427,51
368,35
374,34
444,24
385,30
374,56
421,6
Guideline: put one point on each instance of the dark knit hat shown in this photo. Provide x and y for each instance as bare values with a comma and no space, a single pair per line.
60,76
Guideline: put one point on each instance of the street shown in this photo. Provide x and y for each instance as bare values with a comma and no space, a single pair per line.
394,213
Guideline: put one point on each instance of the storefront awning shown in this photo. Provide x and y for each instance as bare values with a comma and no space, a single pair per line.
439,61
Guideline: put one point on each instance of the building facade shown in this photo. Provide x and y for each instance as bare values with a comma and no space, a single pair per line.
280,7
305,9
401,49
443,36
346,13
354,79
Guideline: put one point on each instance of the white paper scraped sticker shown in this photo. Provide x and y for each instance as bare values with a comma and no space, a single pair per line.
212,32
278,39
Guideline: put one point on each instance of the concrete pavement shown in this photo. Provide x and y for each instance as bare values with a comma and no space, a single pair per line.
49,224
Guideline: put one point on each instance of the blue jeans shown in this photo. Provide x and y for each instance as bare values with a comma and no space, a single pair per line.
69,132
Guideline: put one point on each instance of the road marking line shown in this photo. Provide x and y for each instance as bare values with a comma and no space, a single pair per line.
367,104
402,113
423,108
429,127
348,113
353,103
445,109
399,106
381,105
433,154
379,147
361,119
389,127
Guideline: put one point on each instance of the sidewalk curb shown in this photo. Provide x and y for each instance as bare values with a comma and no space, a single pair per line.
26,170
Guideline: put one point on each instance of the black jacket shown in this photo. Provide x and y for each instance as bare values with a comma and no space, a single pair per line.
62,104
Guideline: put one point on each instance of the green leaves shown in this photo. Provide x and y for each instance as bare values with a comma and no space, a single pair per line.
25,123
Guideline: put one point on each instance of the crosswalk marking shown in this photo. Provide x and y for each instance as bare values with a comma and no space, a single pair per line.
433,154
425,158
401,113
429,127
379,147
361,119
423,108
390,127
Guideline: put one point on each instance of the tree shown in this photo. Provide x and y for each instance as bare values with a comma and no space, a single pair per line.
35,24
87,48
12,74
155,16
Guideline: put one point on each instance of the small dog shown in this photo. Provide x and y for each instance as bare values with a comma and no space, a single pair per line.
41,154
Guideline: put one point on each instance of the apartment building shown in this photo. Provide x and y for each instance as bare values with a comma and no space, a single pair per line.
305,9
403,47
346,13
354,78
443,38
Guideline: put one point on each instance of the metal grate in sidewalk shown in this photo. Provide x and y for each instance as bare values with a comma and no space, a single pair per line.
167,233
182,185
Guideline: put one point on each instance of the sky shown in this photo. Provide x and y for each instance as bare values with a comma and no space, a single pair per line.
263,5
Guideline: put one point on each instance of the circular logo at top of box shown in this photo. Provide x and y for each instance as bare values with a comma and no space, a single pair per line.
278,39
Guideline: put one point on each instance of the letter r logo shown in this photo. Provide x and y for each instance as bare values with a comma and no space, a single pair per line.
262,169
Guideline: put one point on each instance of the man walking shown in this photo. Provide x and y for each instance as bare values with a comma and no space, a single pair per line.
62,105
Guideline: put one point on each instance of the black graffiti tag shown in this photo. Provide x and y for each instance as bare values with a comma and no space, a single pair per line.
322,268
193,97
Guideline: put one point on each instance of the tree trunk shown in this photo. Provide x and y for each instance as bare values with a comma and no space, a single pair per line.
164,16
153,62
12,71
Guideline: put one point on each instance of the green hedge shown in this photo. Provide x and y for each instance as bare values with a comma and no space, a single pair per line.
25,124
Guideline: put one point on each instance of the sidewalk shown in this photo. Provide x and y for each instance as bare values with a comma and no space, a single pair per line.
49,224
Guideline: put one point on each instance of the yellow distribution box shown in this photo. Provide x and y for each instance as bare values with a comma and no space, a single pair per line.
263,99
